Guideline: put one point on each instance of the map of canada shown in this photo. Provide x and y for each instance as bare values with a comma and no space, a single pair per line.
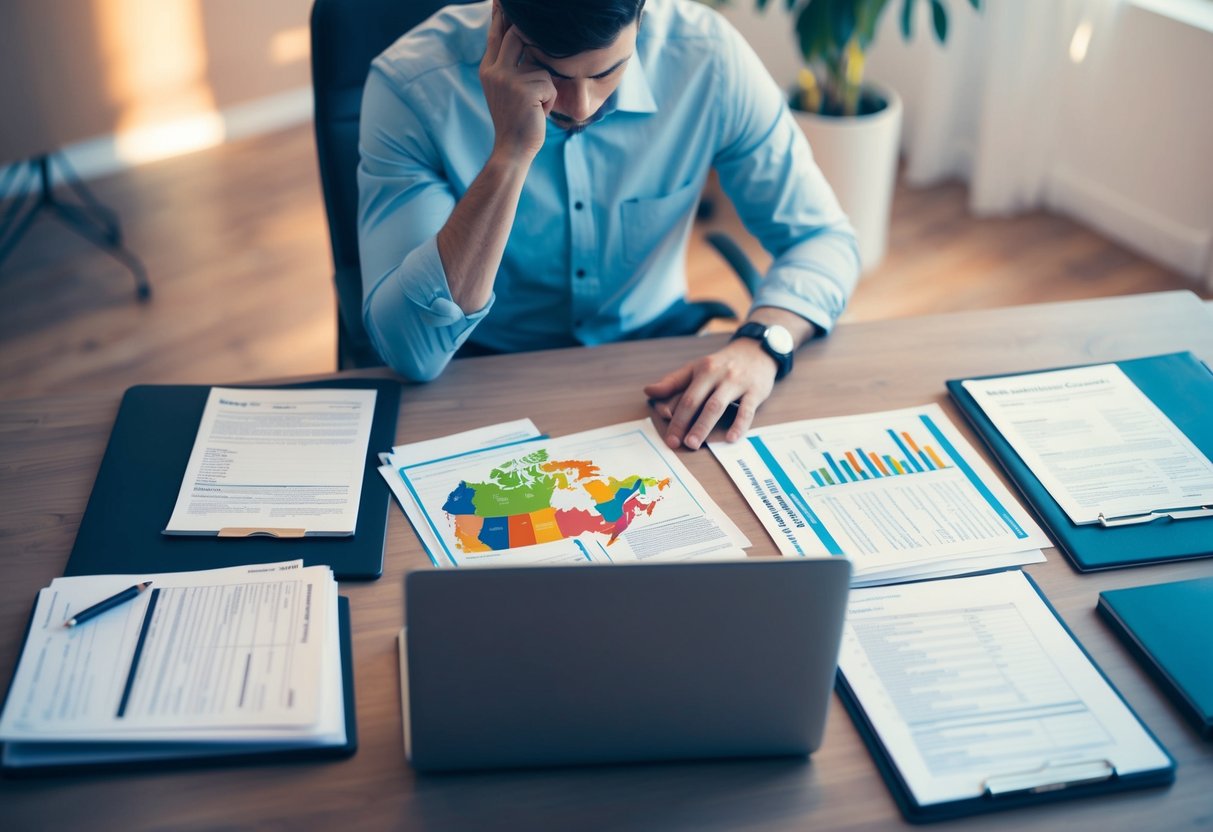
534,499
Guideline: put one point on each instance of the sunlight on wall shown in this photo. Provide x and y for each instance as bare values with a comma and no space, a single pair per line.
155,57
291,45
1080,42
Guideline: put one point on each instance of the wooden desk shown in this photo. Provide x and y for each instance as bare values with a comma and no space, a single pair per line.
50,450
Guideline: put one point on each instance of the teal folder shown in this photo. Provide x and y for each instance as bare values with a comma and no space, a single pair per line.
1169,628
1182,387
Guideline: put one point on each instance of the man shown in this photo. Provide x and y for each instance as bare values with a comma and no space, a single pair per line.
530,170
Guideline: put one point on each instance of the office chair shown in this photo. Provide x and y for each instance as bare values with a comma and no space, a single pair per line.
346,36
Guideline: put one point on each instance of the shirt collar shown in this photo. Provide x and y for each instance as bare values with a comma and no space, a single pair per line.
634,94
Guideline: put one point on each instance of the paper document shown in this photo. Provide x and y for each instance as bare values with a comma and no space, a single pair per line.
286,462
606,495
973,682
1096,442
234,654
900,493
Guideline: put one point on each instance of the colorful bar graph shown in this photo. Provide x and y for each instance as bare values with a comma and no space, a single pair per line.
857,465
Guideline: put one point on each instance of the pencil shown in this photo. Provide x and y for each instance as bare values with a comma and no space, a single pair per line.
108,604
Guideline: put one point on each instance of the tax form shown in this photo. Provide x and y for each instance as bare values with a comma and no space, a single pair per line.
280,462
1098,444
973,682
232,654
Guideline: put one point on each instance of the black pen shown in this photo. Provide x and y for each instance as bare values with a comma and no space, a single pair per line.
108,604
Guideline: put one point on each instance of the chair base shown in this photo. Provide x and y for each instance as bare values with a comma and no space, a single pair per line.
32,187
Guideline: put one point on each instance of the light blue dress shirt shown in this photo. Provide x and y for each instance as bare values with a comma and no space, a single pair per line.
598,247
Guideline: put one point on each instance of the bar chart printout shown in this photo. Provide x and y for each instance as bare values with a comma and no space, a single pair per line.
908,456
973,679
901,493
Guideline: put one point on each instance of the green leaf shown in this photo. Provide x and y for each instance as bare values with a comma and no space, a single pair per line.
907,19
976,4
939,17
842,22
813,30
867,17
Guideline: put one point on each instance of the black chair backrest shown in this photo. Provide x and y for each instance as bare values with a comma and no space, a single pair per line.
346,36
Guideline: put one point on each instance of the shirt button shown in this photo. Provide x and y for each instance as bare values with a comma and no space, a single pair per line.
581,272
578,205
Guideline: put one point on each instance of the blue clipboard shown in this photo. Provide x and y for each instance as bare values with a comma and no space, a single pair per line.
1182,387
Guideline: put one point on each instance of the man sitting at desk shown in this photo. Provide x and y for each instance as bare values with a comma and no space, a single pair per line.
529,176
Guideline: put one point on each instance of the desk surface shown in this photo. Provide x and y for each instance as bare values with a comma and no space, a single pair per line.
50,450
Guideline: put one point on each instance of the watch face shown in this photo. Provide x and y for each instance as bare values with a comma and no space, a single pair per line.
779,339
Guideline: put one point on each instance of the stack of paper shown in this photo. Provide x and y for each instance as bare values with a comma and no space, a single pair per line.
236,661
506,495
900,493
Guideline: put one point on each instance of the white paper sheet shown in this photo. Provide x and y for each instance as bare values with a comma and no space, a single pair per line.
1096,442
900,493
973,679
289,461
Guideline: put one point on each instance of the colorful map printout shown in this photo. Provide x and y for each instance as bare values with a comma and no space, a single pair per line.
609,495
535,499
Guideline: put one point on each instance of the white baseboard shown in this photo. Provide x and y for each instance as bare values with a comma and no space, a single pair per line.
119,151
1185,249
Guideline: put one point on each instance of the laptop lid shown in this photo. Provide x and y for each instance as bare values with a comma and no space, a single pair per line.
531,666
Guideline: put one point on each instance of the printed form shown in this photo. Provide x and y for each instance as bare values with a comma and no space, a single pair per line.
1096,442
972,681
229,654
284,462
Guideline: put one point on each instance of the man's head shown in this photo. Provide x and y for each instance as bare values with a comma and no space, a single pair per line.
584,45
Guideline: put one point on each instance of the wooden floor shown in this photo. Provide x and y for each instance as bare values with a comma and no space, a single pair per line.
236,244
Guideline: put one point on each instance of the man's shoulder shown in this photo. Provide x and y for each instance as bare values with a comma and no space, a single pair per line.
449,40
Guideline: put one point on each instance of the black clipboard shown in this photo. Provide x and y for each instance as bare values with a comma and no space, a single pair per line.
1182,387
1048,789
248,755
140,477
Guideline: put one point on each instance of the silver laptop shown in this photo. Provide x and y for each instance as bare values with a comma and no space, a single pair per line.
538,666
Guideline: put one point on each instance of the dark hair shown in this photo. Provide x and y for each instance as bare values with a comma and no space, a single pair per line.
562,28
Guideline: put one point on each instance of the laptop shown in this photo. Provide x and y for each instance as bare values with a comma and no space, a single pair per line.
564,665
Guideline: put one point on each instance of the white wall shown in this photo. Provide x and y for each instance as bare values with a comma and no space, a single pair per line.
1132,150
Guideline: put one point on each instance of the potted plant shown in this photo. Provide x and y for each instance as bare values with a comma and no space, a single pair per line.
853,125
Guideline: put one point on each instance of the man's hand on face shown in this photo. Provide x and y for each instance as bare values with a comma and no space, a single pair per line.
694,397
519,97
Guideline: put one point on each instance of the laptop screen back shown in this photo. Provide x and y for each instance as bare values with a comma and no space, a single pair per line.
530,666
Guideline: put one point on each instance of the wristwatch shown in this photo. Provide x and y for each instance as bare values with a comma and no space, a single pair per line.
776,342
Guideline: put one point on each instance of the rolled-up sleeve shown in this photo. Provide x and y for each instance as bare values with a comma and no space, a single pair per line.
403,201
767,169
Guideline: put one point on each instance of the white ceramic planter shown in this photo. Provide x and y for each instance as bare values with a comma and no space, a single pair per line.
858,155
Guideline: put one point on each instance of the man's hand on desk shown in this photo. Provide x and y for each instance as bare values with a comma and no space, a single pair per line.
695,397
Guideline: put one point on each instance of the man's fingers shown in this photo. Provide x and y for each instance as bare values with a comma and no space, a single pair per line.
496,32
512,49
716,406
747,407
674,383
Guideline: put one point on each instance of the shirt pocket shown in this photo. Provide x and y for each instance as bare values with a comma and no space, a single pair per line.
646,222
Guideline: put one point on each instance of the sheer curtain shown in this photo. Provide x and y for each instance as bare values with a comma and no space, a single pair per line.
985,107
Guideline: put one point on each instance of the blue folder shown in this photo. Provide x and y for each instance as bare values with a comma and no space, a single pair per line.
1169,628
1182,387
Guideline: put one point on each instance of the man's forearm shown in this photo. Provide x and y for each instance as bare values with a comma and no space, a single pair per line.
473,240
